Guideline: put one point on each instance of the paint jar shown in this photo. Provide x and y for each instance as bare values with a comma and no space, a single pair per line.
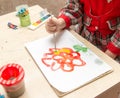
12,80
25,20
2,96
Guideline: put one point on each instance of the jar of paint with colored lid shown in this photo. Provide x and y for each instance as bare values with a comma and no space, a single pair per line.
24,17
12,79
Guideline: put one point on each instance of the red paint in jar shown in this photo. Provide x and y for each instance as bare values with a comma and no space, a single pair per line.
12,79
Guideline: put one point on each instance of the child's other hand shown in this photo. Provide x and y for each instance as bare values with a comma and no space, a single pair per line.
109,53
55,25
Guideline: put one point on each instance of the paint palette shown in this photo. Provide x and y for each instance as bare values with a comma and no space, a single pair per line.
44,16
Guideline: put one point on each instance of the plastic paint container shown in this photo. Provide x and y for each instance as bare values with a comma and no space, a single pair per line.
2,96
12,79
25,20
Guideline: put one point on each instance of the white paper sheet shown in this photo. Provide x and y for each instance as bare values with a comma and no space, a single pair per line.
67,81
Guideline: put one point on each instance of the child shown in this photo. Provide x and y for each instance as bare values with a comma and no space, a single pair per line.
98,21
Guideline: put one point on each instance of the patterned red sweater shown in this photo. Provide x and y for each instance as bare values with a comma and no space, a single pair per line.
96,20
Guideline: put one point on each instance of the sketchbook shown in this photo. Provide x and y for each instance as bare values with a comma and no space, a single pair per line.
70,65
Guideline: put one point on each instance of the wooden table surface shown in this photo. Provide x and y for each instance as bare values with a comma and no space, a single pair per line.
12,50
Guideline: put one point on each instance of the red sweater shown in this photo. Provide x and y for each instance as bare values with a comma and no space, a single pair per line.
99,15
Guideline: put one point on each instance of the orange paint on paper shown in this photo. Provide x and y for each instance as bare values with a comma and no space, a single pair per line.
64,58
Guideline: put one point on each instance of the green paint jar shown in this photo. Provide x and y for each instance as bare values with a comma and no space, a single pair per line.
25,20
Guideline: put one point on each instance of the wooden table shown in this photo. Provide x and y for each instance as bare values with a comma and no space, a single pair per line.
12,50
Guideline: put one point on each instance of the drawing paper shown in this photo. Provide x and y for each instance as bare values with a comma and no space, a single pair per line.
61,80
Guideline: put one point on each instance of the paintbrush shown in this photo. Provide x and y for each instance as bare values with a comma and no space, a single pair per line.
54,35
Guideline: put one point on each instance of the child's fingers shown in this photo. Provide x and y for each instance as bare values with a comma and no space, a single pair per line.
50,22
53,20
52,25
50,29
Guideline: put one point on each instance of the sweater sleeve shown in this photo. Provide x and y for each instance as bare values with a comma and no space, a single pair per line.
71,12
114,45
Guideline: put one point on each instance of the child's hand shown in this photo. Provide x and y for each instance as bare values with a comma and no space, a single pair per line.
55,25
109,53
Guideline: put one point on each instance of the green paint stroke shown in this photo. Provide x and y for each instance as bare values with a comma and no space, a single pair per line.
80,48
